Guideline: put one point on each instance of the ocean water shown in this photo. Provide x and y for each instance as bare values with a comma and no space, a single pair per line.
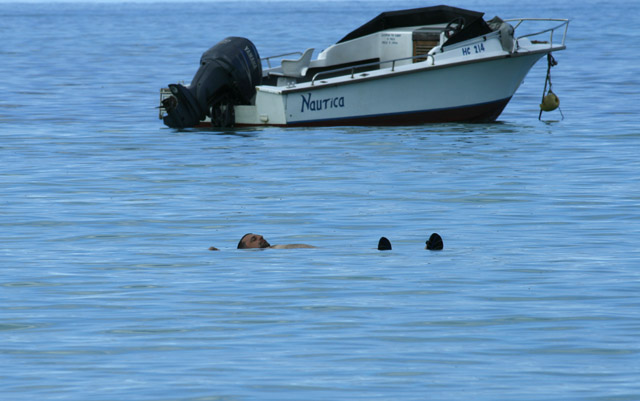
108,291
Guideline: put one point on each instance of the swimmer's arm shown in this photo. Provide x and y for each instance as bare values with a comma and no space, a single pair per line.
284,246
292,246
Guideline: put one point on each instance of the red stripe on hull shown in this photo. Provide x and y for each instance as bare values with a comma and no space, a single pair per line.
485,112
478,113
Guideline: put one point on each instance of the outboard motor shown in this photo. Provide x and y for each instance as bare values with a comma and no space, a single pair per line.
228,75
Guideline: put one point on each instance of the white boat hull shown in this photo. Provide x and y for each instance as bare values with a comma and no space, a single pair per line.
401,68
471,91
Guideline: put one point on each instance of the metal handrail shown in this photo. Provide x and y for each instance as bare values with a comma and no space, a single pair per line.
353,68
268,59
564,22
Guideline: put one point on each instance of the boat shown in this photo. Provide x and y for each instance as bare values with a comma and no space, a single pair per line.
408,67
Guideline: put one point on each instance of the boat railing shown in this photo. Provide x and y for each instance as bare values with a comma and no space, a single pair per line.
365,65
563,26
268,59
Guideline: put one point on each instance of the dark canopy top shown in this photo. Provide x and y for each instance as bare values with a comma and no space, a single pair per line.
474,24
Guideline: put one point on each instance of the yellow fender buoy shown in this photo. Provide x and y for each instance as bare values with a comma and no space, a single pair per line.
550,102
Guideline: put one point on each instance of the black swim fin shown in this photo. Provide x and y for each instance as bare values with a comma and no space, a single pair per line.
384,244
434,243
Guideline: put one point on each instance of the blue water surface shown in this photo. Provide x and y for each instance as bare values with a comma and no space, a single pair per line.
108,290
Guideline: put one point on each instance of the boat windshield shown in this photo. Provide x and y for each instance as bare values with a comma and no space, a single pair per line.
473,24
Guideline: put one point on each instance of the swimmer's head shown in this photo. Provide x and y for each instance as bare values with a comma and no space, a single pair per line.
253,241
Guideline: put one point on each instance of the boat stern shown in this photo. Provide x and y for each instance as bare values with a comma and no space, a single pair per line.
269,109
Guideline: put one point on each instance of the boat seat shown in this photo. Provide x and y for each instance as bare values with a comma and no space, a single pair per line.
297,68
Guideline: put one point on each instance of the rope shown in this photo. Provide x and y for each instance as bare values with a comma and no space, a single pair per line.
551,62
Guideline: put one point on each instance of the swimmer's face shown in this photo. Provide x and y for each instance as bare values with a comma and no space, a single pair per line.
254,241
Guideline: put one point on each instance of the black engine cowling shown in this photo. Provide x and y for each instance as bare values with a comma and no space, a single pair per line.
228,75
